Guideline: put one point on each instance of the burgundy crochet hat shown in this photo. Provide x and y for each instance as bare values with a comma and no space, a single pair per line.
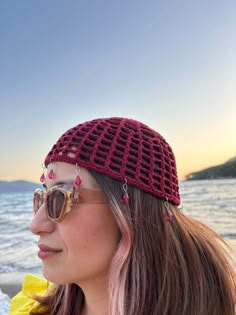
122,149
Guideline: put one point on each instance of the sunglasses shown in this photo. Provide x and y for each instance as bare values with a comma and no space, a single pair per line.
60,199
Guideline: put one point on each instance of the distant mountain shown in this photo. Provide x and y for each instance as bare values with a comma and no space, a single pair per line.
17,186
233,159
226,170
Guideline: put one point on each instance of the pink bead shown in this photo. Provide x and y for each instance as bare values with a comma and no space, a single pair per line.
168,217
78,181
42,178
51,174
125,198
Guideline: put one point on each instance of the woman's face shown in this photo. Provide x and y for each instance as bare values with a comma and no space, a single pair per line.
79,248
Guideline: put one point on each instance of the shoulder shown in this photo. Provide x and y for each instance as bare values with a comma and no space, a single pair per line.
24,302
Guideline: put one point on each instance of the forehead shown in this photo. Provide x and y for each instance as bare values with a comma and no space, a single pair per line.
65,172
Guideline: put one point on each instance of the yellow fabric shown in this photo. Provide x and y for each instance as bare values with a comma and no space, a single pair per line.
23,303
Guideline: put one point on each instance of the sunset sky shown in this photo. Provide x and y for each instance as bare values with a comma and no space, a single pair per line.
169,64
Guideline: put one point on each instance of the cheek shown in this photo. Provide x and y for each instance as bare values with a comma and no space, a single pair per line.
90,234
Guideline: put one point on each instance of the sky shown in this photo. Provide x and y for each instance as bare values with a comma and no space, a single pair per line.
169,64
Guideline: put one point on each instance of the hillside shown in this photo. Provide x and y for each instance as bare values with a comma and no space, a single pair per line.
226,170
17,186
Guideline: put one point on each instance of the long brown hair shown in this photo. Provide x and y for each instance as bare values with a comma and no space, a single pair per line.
161,267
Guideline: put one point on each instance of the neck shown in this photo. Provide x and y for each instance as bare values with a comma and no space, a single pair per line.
95,297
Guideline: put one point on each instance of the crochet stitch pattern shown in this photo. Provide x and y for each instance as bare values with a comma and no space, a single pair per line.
121,148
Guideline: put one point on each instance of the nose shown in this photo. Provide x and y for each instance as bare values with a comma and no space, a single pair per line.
40,222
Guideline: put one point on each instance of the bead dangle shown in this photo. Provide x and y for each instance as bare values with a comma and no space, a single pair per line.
78,180
125,197
169,214
51,174
42,177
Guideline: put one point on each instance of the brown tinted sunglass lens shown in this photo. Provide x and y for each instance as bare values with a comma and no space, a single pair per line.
55,202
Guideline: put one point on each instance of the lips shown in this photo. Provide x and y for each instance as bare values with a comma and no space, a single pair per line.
46,251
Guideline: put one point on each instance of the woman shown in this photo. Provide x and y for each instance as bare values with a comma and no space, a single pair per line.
112,238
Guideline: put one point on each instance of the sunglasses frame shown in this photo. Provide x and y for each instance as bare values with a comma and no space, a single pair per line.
70,198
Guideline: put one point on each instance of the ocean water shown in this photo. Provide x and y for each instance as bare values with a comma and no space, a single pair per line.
213,202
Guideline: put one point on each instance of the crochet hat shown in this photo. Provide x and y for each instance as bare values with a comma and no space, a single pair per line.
123,149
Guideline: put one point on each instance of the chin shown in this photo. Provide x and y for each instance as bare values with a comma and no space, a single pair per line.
56,276
53,275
